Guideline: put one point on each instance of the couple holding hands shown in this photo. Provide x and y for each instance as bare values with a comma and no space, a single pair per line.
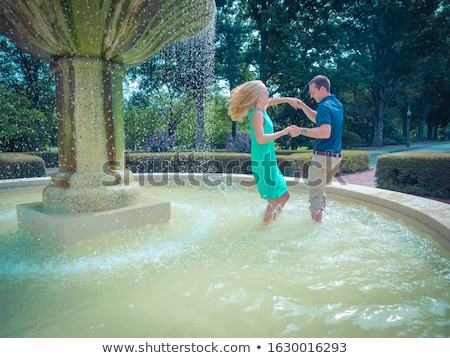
250,100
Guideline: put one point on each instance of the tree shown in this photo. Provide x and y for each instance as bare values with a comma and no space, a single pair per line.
178,69
432,80
233,57
163,111
382,44
192,66
18,131
30,77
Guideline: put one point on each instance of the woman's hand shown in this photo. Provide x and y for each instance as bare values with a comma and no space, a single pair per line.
295,131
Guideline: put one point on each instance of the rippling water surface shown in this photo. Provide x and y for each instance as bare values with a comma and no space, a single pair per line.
215,270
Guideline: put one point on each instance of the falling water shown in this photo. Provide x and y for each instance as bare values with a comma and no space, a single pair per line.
189,66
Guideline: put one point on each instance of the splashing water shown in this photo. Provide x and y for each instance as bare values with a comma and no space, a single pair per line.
215,270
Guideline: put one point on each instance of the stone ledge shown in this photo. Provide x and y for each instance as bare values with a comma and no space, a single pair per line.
68,229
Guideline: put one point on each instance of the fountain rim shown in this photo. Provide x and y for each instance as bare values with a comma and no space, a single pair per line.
426,215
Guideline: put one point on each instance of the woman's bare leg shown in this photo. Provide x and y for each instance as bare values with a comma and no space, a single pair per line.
275,206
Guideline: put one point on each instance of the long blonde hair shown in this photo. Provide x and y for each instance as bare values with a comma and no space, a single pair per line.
244,98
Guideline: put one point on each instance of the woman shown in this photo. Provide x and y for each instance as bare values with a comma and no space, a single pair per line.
251,100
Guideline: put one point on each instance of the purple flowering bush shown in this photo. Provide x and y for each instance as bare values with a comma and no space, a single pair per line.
160,142
240,143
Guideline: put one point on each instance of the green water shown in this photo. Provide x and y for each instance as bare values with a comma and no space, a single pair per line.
215,270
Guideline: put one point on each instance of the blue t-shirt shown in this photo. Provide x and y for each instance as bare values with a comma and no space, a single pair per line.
330,111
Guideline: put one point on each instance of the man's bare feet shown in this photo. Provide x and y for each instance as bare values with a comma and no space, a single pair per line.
316,215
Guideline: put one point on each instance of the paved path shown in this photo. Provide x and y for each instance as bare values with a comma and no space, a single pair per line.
365,177
432,146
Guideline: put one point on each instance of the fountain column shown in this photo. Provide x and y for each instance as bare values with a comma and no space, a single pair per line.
91,144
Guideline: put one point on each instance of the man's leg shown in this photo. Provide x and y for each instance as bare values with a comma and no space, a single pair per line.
317,176
321,171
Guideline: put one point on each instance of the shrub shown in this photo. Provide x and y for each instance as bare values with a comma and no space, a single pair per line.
350,140
424,174
240,143
51,159
354,161
233,162
298,164
160,142
19,165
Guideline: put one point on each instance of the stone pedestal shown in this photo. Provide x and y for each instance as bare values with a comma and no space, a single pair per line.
69,229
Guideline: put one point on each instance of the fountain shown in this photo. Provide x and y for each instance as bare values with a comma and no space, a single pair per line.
89,44
378,265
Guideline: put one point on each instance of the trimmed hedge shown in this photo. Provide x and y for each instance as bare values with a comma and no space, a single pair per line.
23,165
20,165
418,173
188,162
295,164
51,159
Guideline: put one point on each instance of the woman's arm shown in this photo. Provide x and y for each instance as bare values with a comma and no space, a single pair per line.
322,132
258,128
294,102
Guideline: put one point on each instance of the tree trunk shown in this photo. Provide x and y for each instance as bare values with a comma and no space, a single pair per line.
233,129
382,96
378,127
432,126
378,124
200,132
423,119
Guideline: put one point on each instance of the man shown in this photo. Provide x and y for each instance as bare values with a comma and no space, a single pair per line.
329,120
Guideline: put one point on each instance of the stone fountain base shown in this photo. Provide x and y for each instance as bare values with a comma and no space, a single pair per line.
69,229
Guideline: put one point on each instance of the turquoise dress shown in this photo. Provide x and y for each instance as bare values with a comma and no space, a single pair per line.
269,180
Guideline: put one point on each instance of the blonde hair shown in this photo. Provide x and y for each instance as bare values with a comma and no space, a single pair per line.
244,98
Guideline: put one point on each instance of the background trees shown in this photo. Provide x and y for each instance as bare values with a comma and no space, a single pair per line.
384,58
390,45
375,52
27,101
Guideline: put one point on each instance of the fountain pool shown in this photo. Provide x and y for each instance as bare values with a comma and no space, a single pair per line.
214,270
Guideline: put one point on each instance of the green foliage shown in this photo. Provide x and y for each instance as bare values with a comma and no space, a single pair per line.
354,161
389,45
392,135
221,124
18,129
295,164
165,112
19,165
350,140
378,56
139,125
50,158
23,76
424,174
371,51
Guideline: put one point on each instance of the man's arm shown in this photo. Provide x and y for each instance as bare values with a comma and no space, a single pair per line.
310,113
322,132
